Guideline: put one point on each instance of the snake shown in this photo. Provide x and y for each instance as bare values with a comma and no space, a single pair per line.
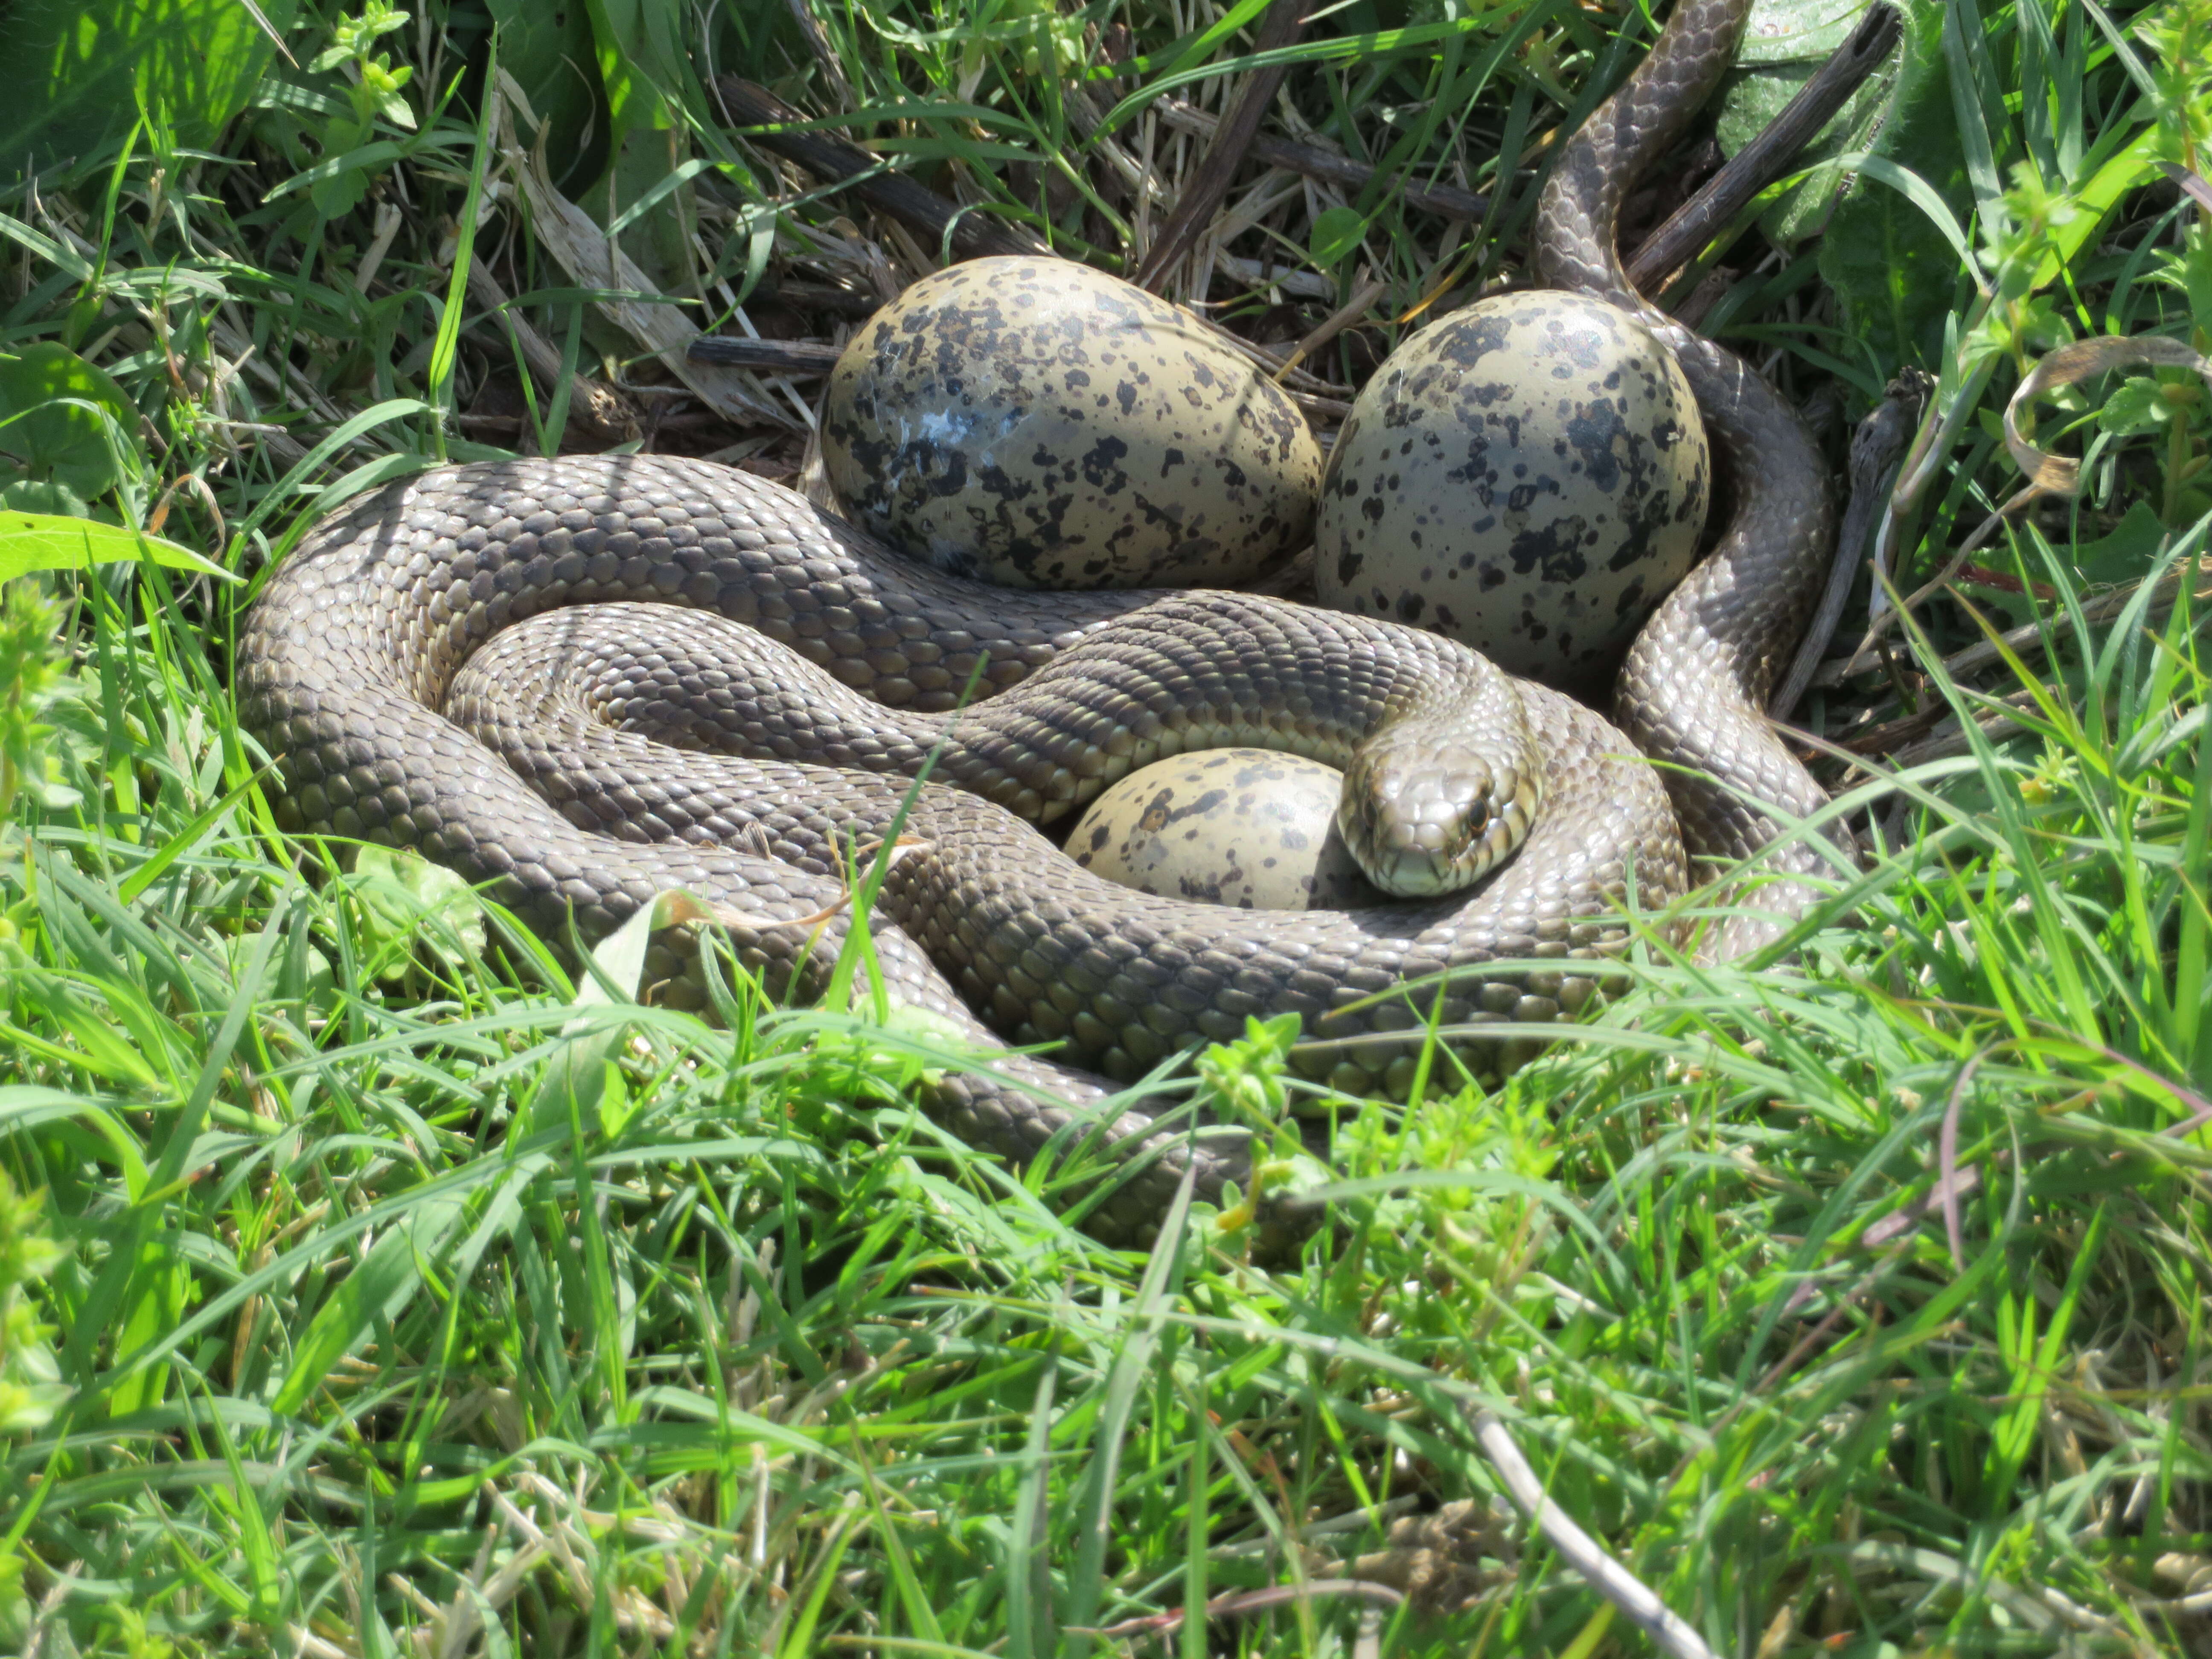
587,681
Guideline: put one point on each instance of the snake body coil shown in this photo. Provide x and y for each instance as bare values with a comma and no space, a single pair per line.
1692,692
514,667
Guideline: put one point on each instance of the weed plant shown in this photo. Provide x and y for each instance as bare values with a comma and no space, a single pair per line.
372,1285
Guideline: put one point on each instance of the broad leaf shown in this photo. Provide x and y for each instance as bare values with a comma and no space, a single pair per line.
1894,272
549,51
82,69
39,541
67,422
1336,233
1787,43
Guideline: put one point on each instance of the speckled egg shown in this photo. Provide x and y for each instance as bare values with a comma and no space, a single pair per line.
1247,828
1037,423
1528,475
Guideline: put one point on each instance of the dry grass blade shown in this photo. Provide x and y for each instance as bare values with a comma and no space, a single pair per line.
1208,184
1243,1603
595,260
1667,1630
2070,365
1448,201
1946,1161
597,414
1948,1190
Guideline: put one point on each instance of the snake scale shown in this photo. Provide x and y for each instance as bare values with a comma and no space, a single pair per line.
524,669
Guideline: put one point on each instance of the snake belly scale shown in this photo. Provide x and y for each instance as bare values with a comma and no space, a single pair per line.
458,663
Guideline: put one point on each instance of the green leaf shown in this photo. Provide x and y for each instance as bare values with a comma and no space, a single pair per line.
2137,404
443,349
1336,233
2094,204
1894,270
66,420
644,57
80,70
39,541
548,49
2119,557
2125,555
44,495
103,1049
24,1106
185,839
160,1290
1798,30
405,894
350,166
1757,95
620,957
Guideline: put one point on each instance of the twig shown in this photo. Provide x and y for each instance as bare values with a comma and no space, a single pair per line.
1876,742
1667,1630
1447,200
796,357
765,118
1877,450
1203,192
1343,318
776,289
1770,155
1952,739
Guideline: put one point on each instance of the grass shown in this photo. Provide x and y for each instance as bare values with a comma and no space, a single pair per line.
370,1285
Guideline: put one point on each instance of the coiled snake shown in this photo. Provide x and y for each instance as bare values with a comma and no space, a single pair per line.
487,663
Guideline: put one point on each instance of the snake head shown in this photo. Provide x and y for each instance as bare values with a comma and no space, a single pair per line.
1425,813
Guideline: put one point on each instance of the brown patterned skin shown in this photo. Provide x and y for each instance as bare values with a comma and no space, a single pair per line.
1528,474
1050,952
1037,423
349,653
349,662
1693,688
